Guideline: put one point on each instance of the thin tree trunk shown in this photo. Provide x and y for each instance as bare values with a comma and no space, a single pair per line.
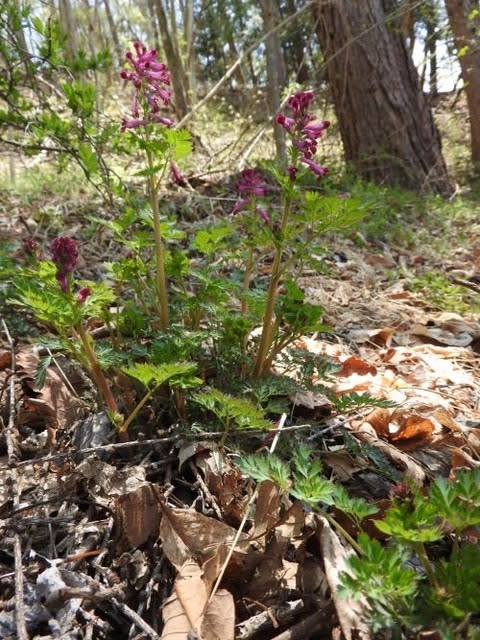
173,60
465,25
190,51
276,74
113,31
386,125
69,26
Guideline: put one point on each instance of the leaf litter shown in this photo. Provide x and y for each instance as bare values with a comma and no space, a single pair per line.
166,538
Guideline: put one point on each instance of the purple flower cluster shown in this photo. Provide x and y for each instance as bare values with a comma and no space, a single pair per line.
304,132
150,80
251,186
64,254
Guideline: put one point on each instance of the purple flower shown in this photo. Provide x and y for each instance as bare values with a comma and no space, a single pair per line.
83,294
263,214
239,205
133,124
64,254
315,130
304,133
317,169
150,80
251,183
178,177
292,172
300,102
284,121
250,186
156,117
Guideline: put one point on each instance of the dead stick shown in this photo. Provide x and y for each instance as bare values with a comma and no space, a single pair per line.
309,627
136,619
22,633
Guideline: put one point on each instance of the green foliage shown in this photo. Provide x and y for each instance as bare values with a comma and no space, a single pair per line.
38,290
356,400
379,574
269,467
441,293
177,374
232,412
402,599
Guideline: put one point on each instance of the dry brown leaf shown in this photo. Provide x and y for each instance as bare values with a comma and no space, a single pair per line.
354,364
54,406
191,592
188,612
344,465
186,533
219,618
380,420
351,613
366,433
412,427
267,508
461,460
176,625
138,515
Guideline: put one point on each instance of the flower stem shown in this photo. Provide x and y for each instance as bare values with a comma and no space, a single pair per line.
267,329
161,281
426,564
97,372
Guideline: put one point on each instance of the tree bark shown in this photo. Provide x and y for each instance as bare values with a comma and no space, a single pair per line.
173,60
276,74
69,26
465,25
385,122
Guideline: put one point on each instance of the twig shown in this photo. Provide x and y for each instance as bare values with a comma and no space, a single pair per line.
20,622
211,435
136,619
309,627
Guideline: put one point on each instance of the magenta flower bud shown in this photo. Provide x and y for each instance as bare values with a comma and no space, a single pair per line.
263,214
133,124
168,122
83,294
292,172
314,131
317,169
284,121
62,279
240,205
306,146
178,178
64,253
299,102
30,246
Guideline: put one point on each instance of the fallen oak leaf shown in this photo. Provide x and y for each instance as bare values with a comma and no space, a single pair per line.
357,365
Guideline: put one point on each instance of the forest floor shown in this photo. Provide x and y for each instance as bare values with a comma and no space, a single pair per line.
143,539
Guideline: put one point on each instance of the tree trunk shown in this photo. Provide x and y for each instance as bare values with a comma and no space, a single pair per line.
465,25
69,27
173,60
113,32
385,122
276,74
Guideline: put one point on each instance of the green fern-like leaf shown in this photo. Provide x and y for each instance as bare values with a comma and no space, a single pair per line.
175,373
230,409
266,467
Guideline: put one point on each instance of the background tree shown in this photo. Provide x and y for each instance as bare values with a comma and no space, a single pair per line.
385,122
464,18
276,72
